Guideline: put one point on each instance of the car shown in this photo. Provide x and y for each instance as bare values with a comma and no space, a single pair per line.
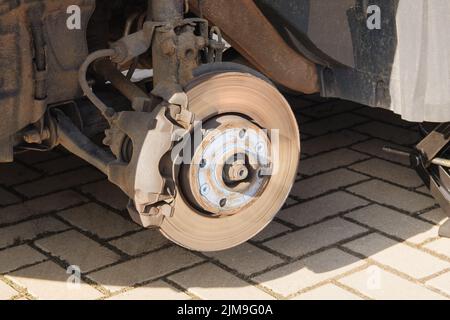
188,96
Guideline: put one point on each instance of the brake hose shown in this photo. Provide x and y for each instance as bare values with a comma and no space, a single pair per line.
107,112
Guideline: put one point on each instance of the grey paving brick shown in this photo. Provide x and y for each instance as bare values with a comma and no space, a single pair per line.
329,161
7,198
274,229
388,194
383,115
436,216
107,193
48,281
395,224
246,259
323,183
15,173
381,285
297,276
6,292
59,182
389,132
328,292
210,282
29,230
39,206
315,237
440,246
331,141
59,165
158,290
97,220
328,125
321,208
140,270
441,283
375,147
391,172
141,242
17,257
413,262
77,249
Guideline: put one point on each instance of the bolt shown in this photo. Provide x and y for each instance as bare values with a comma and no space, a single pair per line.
260,147
204,190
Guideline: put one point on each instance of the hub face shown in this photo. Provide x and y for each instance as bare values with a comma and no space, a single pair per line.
229,168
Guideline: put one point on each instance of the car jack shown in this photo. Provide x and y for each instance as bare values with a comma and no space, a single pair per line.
428,159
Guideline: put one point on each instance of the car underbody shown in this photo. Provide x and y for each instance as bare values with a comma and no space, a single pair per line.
186,96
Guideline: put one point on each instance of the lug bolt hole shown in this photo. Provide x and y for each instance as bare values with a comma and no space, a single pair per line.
242,133
203,163
223,203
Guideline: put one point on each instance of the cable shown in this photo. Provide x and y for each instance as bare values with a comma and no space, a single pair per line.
107,112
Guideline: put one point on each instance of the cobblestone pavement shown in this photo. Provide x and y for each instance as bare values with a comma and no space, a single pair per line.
359,224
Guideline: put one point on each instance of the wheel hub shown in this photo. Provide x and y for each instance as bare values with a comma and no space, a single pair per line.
228,168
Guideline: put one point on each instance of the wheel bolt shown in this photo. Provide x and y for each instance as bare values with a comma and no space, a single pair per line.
204,190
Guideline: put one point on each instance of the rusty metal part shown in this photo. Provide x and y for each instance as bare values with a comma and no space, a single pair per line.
141,178
250,33
140,100
166,10
241,94
225,174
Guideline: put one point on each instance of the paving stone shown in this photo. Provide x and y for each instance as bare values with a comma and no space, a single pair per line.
210,282
318,209
59,182
309,272
441,283
246,259
48,281
329,161
331,142
59,165
141,242
7,198
143,269
382,285
332,124
97,220
395,224
383,115
33,157
437,216
15,173
328,292
388,194
29,230
77,249
389,132
440,246
39,206
315,237
323,183
274,229
158,290
6,292
17,257
413,262
391,172
107,193
375,147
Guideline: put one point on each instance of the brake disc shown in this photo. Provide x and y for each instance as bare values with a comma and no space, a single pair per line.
241,174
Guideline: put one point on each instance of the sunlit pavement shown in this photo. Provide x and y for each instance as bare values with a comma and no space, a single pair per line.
359,224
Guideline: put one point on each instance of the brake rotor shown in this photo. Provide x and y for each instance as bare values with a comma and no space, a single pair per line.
241,173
